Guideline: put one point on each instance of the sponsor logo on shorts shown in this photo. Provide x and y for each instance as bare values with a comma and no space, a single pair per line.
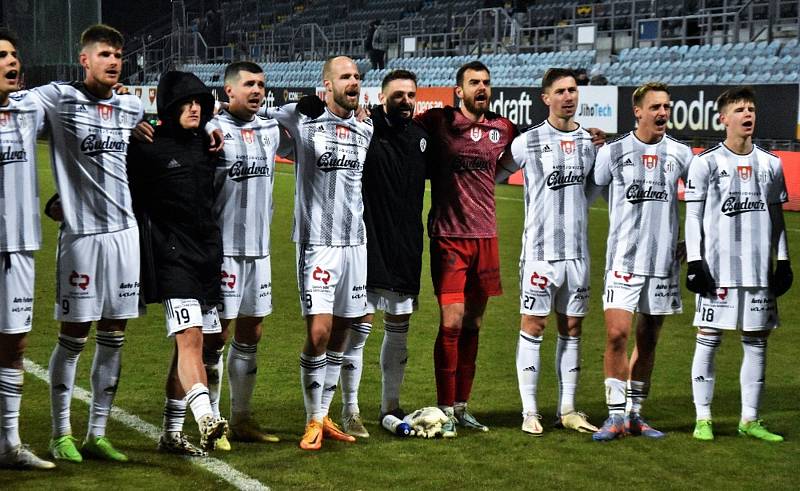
322,275
626,277
227,279
79,280
128,289
266,290
359,292
539,280
722,293
27,304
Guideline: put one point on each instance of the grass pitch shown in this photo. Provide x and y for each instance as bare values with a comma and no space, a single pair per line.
504,458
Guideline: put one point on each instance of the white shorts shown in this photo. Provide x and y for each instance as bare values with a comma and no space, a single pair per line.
16,292
245,287
98,276
332,280
183,313
545,283
393,303
645,294
750,309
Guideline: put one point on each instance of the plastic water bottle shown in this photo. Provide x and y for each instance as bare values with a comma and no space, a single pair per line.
396,426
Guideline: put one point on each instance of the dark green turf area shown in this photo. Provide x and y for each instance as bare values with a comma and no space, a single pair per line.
504,458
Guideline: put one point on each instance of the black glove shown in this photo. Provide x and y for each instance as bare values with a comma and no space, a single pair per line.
311,106
53,208
699,279
781,278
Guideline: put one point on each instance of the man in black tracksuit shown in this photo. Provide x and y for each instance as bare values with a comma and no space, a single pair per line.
172,184
393,191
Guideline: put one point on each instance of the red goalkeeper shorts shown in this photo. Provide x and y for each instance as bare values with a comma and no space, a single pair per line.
464,268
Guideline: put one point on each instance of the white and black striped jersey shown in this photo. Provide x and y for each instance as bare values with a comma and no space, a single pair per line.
89,144
555,165
244,178
737,229
20,122
329,160
642,202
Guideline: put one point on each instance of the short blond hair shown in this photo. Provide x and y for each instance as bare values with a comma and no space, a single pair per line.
642,90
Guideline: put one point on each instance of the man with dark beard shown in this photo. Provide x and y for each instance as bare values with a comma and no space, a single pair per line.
466,146
329,230
393,191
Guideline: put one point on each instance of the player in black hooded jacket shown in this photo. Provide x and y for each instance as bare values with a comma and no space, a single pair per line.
172,184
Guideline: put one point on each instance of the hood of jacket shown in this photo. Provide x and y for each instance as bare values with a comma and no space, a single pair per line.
175,88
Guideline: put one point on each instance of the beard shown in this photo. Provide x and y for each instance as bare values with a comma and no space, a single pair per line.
473,108
341,99
395,113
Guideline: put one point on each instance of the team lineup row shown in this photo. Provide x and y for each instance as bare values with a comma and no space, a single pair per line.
176,210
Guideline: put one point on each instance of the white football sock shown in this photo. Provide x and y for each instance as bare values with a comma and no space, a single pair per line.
312,379
242,369
637,392
198,400
353,365
332,371
63,364
10,400
106,368
394,356
704,372
528,367
615,396
174,415
751,376
212,359
568,368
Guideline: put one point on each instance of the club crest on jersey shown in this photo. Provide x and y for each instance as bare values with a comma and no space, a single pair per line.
423,144
322,275
722,293
342,132
138,92
568,146
494,136
669,165
745,172
5,118
248,135
539,280
475,133
79,279
152,94
649,161
105,111
227,279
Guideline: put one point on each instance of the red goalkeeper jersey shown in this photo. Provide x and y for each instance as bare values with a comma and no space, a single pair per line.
463,160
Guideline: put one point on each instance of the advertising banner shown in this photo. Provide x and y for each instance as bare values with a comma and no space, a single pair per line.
694,111
597,106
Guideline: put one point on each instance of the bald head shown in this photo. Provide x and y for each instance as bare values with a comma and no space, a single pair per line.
342,82
337,63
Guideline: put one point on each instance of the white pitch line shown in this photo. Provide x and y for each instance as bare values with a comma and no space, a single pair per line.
212,465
